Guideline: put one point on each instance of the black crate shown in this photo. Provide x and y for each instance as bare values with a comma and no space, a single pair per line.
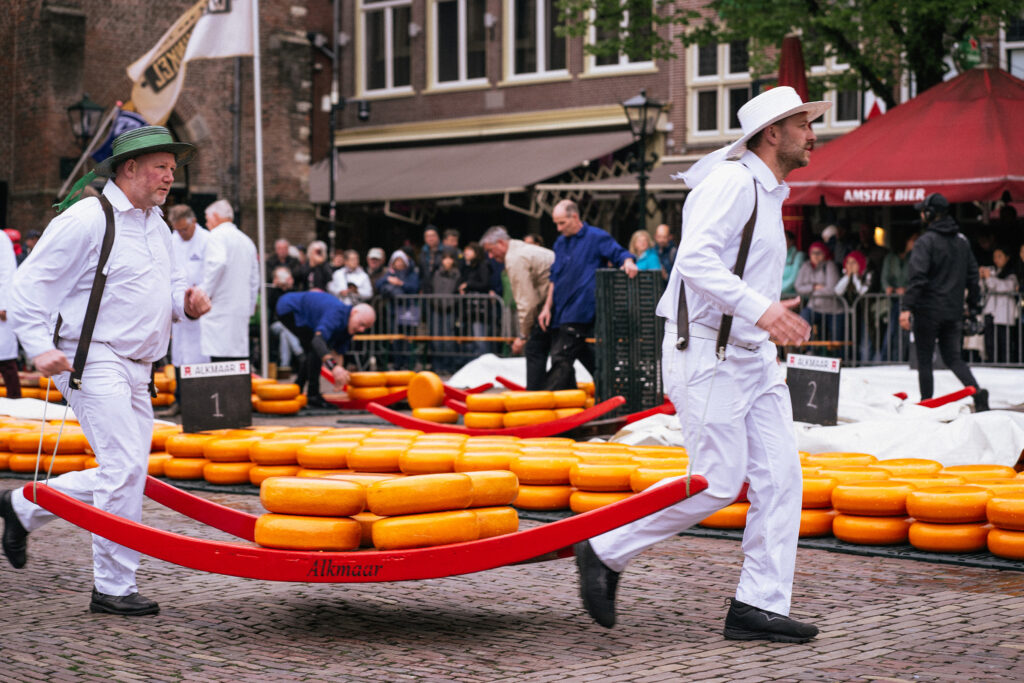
628,338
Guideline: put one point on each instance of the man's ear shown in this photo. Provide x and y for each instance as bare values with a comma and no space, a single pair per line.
771,134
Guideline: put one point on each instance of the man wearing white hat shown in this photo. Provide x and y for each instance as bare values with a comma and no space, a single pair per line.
727,387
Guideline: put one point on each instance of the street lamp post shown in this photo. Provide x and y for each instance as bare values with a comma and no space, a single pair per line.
642,114
83,116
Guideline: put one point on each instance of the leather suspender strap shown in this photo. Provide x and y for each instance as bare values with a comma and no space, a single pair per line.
93,309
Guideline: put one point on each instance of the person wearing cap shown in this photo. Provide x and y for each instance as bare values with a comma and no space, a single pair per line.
733,403
8,340
375,268
145,292
29,243
402,278
940,270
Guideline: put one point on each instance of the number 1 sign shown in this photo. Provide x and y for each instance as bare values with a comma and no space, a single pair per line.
216,395
813,388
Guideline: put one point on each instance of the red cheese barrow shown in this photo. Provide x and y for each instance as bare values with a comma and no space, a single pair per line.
941,400
545,542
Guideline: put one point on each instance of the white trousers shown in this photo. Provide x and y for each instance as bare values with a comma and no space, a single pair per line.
115,412
747,435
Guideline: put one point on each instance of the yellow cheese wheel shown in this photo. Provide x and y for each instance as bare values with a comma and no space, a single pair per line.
162,382
441,414
605,458
260,473
367,379
546,442
318,497
47,383
970,472
840,459
1006,543
1006,511
398,378
370,458
923,481
283,407
602,447
542,470
658,451
187,445
425,530
949,504
585,501
643,478
522,418
1000,486
480,420
418,460
422,493
732,516
91,462
900,467
473,461
496,521
426,390
26,441
872,498
229,449
864,530
185,468
949,538
26,462
5,458
601,476
495,440
543,497
817,492
367,393
277,451
364,479
277,392
809,471
160,434
319,474
486,403
161,399
588,387
325,455
493,487
394,433
570,398
846,473
296,532
156,464
529,400
227,472
366,521
71,441
566,412
815,523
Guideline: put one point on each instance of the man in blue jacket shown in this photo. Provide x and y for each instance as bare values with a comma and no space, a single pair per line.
571,305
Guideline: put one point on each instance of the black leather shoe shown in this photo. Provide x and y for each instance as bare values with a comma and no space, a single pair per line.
319,403
15,537
133,605
746,622
597,585
981,401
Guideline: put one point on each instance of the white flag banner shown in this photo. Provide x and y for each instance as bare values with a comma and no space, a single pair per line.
209,29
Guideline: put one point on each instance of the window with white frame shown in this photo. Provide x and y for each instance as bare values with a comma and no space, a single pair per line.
720,84
460,42
1012,52
635,21
536,50
387,53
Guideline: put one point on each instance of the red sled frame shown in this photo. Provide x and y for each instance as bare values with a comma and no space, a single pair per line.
545,542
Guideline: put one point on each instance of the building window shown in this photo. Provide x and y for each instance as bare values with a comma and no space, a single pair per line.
739,57
460,41
707,111
737,98
635,22
847,106
537,50
707,60
388,50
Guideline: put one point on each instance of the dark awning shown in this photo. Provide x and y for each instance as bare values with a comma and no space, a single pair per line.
659,180
458,169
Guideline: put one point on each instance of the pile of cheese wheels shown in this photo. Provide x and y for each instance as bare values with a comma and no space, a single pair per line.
366,386
19,445
385,511
34,386
276,398
165,385
519,408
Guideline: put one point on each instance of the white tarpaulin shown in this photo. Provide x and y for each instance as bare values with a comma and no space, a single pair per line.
488,366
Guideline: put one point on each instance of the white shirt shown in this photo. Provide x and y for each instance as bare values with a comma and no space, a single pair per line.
713,218
145,288
231,278
185,333
343,278
8,264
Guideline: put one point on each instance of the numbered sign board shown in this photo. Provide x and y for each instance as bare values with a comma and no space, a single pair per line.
814,388
216,395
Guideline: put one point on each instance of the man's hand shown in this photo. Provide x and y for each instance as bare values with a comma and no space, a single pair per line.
341,376
517,345
544,318
52,362
791,304
629,268
784,326
197,303
3,316
905,320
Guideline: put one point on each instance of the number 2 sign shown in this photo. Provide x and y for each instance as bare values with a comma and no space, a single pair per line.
216,396
813,388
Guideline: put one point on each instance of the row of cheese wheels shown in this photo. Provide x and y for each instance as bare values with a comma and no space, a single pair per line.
165,383
36,387
392,513
478,420
366,386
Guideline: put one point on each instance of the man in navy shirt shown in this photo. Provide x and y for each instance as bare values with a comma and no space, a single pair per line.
323,324
571,305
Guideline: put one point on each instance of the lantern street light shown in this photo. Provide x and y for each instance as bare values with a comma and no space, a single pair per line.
84,115
643,116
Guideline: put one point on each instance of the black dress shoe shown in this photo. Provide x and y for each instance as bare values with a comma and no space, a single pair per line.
133,605
597,585
15,537
319,403
746,622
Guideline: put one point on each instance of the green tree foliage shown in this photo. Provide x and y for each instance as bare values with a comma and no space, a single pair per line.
881,40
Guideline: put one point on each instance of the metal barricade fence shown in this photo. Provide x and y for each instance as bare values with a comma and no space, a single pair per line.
1002,317
440,331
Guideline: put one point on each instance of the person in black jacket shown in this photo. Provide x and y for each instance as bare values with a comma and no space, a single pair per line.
941,267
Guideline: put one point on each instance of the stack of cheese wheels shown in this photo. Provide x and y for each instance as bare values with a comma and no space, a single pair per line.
872,512
519,408
366,386
602,475
817,513
165,384
42,388
949,519
186,451
1005,512
278,398
543,470
69,442
228,456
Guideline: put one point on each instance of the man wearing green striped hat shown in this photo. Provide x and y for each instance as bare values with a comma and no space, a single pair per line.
113,344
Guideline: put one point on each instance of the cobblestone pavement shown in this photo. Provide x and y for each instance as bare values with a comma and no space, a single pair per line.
881,619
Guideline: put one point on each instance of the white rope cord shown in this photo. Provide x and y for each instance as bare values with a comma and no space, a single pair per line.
56,445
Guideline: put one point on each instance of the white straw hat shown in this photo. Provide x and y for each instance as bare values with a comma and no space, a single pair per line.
756,115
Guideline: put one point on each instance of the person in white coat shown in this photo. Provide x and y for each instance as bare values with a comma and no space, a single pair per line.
350,283
8,340
231,277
